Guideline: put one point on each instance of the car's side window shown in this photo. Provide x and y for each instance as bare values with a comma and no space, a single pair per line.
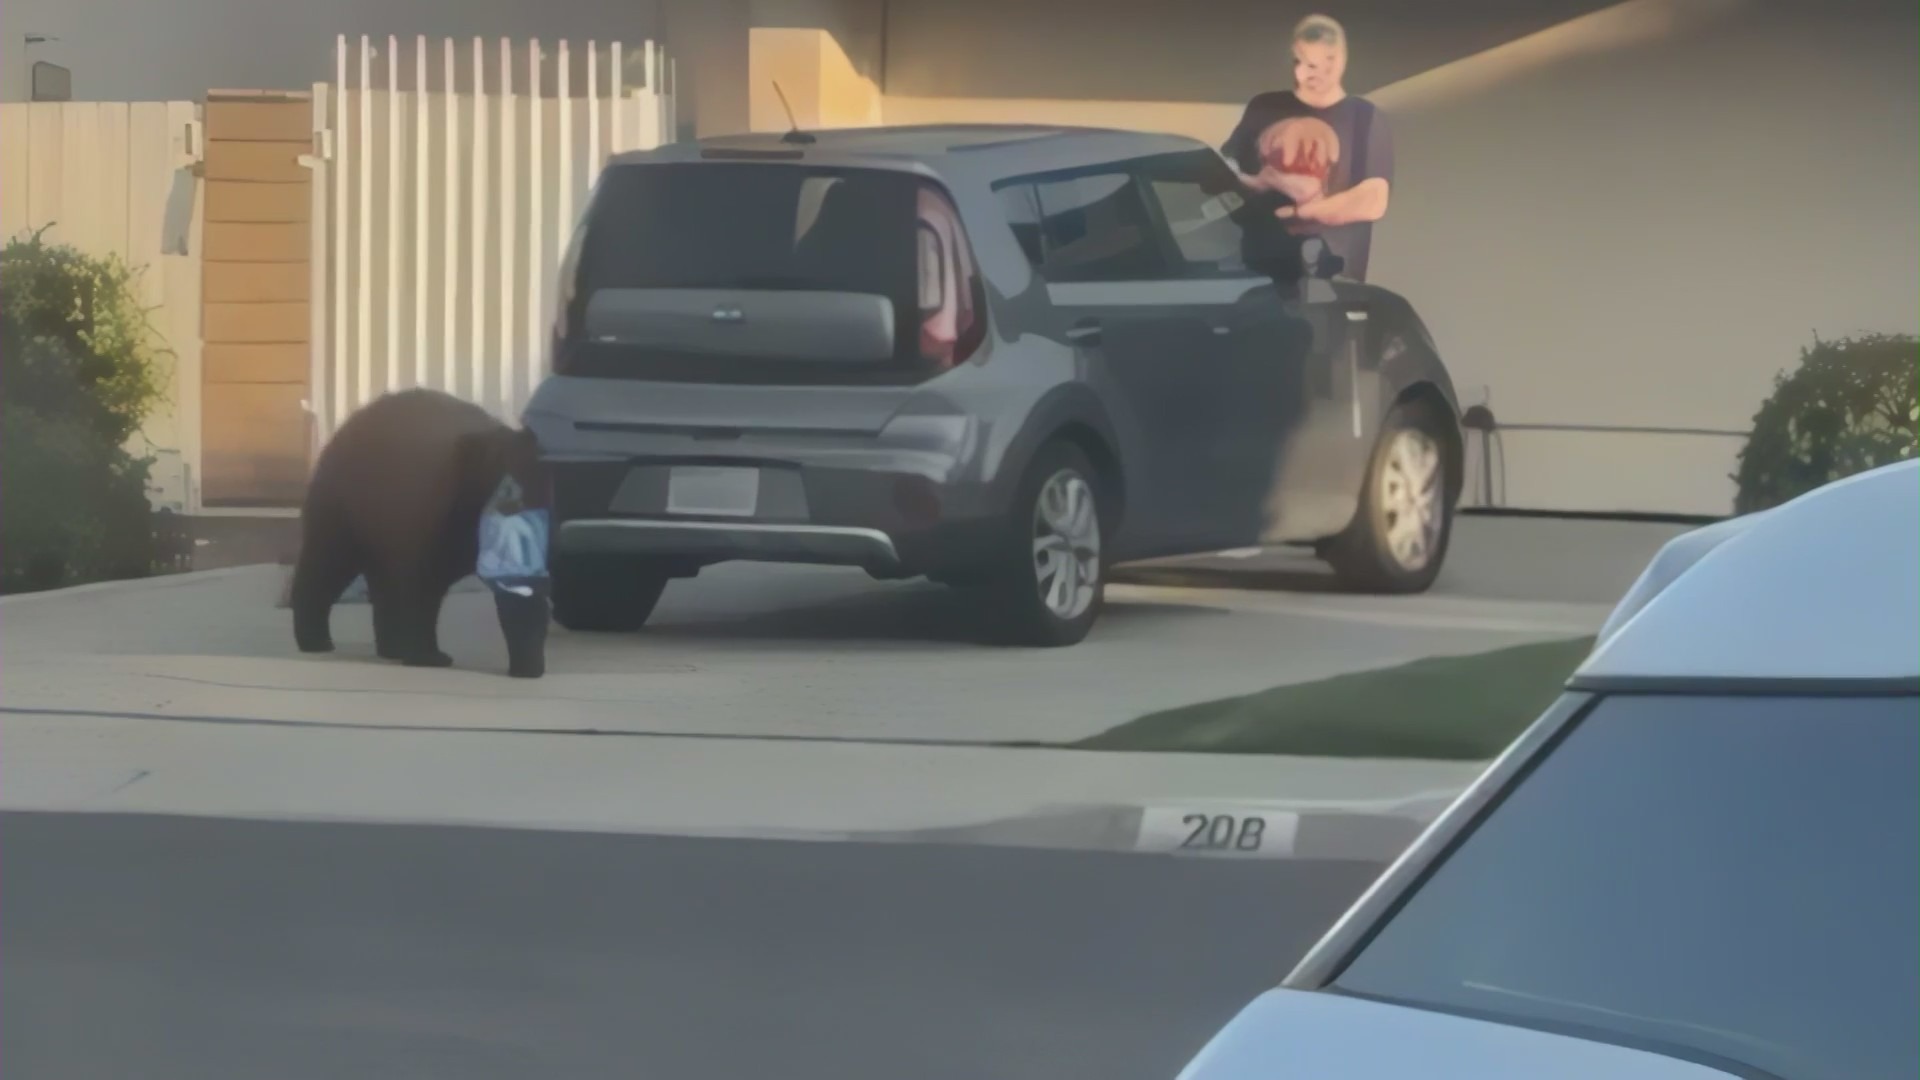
1201,224
1085,227
1021,206
1213,229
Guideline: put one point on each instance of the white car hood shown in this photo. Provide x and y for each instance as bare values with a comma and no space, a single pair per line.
1303,1035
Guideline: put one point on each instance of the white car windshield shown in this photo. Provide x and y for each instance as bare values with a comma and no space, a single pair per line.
1727,878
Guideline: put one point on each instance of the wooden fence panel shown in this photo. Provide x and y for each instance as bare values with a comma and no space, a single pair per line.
98,176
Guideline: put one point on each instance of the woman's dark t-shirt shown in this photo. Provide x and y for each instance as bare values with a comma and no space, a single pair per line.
1366,153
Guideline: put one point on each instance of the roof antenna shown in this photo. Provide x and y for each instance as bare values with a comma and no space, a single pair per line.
794,134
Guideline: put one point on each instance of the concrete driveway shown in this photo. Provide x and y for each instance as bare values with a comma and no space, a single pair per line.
756,651
765,701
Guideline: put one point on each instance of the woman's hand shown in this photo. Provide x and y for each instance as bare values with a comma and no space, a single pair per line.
1300,215
1299,187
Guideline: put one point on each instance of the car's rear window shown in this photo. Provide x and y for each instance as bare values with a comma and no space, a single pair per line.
738,225
1737,877
747,226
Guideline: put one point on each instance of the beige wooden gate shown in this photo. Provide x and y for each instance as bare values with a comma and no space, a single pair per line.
256,297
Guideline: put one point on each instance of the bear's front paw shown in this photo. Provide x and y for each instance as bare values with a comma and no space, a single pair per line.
315,645
527,669
432,659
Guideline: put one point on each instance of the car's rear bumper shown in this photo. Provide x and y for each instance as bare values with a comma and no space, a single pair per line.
892,518
718,541
855,476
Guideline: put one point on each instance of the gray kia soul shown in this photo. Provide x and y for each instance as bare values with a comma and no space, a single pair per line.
1001,357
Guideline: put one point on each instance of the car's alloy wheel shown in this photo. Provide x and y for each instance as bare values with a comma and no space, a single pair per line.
1049,579
1066,545
1399,534
1412,498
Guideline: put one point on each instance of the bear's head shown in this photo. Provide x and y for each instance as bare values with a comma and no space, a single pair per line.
489,458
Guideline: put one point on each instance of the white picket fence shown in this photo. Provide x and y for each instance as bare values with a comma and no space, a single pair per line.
453,174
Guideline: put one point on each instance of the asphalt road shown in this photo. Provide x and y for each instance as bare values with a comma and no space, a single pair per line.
204,950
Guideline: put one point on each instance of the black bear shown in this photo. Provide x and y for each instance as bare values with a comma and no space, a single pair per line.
396,498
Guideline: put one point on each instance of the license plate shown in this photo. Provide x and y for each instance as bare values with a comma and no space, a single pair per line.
713,490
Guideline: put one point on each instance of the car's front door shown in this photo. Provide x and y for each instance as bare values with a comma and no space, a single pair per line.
1287,378
1159,352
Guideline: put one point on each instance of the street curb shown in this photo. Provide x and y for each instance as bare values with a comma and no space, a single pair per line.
1325,831
1359,831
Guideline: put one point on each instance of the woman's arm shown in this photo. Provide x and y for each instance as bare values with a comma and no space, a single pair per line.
1367,201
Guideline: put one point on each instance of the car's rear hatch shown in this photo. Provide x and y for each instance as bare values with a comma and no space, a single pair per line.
1303,1035
766,274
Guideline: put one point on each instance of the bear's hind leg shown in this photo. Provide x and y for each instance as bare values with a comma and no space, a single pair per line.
327,564
421,610
389,635
406,612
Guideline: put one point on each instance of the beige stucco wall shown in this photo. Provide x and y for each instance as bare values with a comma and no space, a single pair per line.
824,54
710,48
823,85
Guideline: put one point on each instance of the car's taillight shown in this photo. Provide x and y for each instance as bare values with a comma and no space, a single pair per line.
948,284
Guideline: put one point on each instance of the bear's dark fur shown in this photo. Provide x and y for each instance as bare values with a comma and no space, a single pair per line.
396,497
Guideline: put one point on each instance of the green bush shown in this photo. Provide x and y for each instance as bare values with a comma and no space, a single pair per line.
82,368
1851,405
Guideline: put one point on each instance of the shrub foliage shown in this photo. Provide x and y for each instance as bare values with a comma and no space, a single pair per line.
82,368
1851,405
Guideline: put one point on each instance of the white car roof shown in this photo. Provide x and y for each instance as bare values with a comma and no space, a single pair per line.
1825,587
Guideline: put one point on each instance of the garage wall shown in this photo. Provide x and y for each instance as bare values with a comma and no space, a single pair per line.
1207,51
709,41
1636,238
1647,238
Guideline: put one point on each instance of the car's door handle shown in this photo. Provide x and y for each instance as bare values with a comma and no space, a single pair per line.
1221,329
1086,332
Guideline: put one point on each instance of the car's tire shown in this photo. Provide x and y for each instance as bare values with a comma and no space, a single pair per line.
1049,575
609,594
1399,534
